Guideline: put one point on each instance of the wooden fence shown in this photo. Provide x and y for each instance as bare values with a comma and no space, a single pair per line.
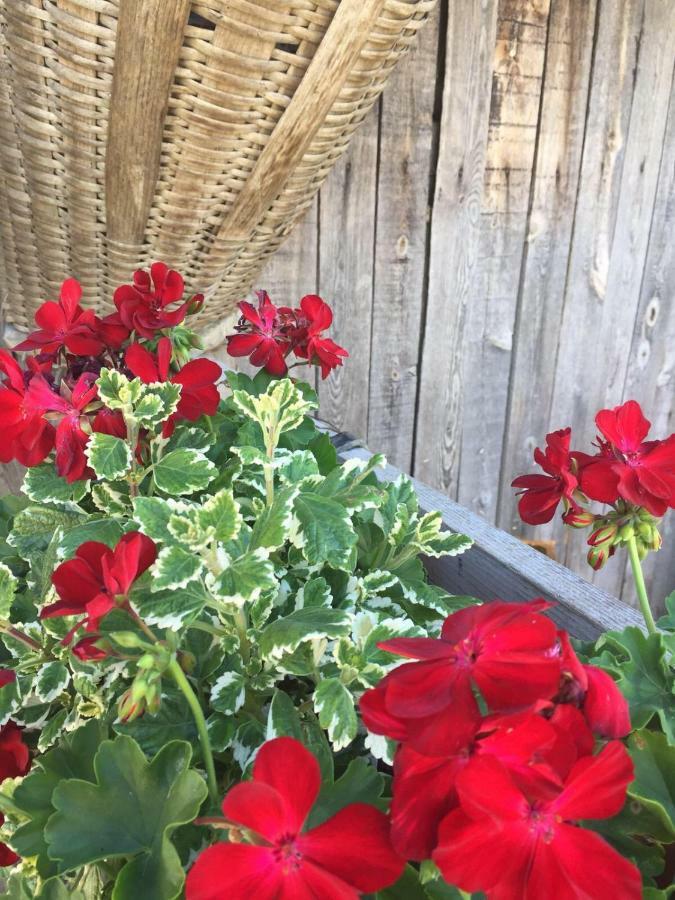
498,248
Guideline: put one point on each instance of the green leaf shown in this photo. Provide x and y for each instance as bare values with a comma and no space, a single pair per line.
183,472
285,635
408,887
109,456
326,534
654,785
106,531
42,485
34,528
361,783
244,579
219,517
272,527
644,677
116,391
282,718
158,401
334,705
175,568
140,803
111,498
171,608
72,757
667,622
281,408
228,693
8,586
51,680
153,514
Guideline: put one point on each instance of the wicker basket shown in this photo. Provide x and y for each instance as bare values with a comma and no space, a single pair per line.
194,131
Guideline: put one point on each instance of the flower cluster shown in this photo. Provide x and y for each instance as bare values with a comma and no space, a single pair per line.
498,723
272,854
14,761
269,334
52,404
633,475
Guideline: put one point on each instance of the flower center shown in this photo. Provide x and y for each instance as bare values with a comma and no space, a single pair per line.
287,854
543,823
466,653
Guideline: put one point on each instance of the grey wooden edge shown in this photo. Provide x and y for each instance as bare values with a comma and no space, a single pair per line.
499,566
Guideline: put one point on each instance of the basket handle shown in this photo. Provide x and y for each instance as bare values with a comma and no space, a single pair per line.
149,39
324,78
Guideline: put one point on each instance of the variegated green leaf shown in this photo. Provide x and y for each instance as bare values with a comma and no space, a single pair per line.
334,705
174,568
286,634
228,693
325,533
108,456
272,527
173,608
244,579
184,472
42,485
219,517
51,680
8,586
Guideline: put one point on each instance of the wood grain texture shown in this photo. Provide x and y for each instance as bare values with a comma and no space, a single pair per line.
455,234
556,175
515,102
347,237
403,183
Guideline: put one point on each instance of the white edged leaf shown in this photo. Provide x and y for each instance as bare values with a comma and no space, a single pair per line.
228,693
174,568
334,704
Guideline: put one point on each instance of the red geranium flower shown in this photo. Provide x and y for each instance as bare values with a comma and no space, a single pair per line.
313,318
515,843
71,438
65,324
594,692
541,494
262,335
27,436
199,394
14,761
505,649
425,787
95,581
639,471
142,306
347,855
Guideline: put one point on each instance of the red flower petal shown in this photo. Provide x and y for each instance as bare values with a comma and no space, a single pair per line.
596,786
605,707
355,845
624,426
242,344
261,808
278,765
234,872
142,363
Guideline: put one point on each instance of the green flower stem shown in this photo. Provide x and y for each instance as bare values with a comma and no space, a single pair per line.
19,635
639,579
242,627
200,722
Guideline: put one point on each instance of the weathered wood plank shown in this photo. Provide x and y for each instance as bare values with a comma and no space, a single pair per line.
455,228
512,135
347,236
627,117
559,147
405,160
651,365
500,566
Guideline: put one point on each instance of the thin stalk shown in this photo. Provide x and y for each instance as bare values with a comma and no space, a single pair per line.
19,635
639,579
242,627
182,682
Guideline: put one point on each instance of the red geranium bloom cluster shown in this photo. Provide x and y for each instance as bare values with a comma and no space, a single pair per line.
14,761
497,722
281,859
95,581
626,467
269,334
52,403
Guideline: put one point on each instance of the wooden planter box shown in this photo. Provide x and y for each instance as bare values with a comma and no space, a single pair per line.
499,566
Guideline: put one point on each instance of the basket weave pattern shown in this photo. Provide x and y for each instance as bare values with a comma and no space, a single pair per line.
194,131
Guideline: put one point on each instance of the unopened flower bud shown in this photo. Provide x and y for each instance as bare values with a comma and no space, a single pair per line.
128,709
153,699
138,689
195,304
578,518
128,639
147,661
597,557
626,532
187,661
603,535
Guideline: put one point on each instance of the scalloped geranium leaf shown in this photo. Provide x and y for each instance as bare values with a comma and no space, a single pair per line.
654,785
334,705
155,796
73,755
34,528
171,608
272,526
51,680
153,514
109,456
111,498
431,540
183,471
175,568
315,592
228,693
117,391
281,408
644,676
219,517
244,579
157,402
285,635
8,586
43,485
173,722
325,533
